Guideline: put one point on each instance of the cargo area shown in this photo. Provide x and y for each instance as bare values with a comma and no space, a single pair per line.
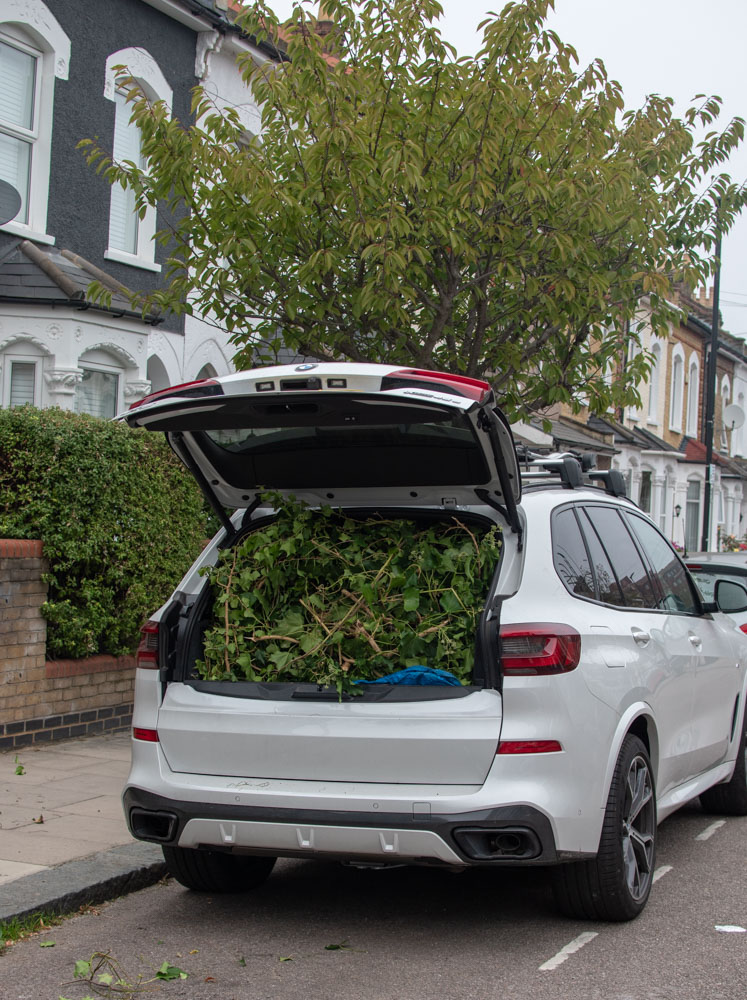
298,619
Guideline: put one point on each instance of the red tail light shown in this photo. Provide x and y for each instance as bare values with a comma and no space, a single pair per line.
147,651
539,648
203,387
529,746
146,735
743,628
461,385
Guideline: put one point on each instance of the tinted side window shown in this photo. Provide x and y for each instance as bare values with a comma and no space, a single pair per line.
607,583
570,556
638,590
673,581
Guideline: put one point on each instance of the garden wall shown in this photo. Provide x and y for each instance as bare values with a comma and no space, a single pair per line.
43,700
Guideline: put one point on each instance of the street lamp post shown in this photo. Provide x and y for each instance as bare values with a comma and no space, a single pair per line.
711,394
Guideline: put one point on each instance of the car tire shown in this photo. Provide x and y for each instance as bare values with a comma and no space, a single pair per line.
615,885
214,871
730,798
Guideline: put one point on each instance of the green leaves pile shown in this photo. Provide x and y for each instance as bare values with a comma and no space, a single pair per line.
319,597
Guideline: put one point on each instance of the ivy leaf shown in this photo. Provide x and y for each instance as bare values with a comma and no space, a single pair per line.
82,969
411,599
168,971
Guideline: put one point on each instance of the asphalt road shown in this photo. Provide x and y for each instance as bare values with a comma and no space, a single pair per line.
412,934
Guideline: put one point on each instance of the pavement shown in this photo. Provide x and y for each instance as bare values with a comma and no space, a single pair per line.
63,837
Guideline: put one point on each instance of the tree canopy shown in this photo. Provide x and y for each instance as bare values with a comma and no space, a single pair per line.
501,215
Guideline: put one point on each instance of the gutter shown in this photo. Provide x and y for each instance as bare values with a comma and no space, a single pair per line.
82,306
193,14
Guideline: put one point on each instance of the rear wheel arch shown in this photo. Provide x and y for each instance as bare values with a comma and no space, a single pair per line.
637,720
644,728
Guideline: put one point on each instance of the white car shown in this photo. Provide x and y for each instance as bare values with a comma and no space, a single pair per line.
605,692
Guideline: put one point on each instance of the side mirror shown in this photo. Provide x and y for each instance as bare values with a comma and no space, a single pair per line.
730,597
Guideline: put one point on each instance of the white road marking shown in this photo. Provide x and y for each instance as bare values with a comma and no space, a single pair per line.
565,953
710,830
664,870
731,929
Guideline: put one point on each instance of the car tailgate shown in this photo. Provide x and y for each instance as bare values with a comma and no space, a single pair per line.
442,741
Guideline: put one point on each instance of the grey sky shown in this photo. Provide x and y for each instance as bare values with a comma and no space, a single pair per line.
677,48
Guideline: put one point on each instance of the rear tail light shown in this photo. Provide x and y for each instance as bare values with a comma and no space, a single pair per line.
459,385
539,648
203,387
146,735
743,628
529,746
147,651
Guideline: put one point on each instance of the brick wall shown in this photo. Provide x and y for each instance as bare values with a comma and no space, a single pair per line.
43,700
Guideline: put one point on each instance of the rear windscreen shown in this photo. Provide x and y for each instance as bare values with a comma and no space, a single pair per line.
421,453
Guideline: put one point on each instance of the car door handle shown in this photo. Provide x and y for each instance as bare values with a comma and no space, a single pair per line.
695,640
641,637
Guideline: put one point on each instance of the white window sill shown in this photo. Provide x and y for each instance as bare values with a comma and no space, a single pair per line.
134,261
20,229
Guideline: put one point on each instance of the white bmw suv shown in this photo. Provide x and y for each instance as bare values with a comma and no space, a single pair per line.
604,695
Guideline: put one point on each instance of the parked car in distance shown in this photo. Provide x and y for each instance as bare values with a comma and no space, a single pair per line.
729,571
605,693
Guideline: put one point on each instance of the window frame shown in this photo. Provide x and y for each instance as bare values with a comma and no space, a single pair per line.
30,25
676,389
653,577
7,359
105,369
693,396
147,74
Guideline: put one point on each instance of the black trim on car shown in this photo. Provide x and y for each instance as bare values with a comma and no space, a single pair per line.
465,833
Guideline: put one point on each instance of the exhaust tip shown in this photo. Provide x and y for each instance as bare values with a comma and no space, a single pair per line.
159,827
514,843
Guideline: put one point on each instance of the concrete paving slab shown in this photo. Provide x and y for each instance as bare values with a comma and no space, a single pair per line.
10,870
39,847
11,817
100,830
90,785
49,796
106,806
116,747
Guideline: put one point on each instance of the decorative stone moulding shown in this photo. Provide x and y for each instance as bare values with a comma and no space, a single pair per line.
35,14
136,389
62,381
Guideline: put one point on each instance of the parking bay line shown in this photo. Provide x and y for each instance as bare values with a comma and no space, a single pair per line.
710,830
565,953
663,870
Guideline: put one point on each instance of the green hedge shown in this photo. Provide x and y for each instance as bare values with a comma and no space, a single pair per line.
121,521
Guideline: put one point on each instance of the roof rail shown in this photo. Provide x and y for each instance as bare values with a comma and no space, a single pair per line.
574,470
614,481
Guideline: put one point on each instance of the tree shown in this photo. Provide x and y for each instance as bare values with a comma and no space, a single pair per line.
500,215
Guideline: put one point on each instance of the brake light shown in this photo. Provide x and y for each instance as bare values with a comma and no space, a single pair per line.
539,648
146,735
743,628
529,746
147,652
203,387
460,385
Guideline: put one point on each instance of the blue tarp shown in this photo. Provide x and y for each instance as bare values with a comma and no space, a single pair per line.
416,675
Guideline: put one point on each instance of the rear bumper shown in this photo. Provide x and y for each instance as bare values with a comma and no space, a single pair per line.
513,835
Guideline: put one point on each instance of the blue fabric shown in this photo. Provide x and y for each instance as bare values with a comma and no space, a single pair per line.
416,675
